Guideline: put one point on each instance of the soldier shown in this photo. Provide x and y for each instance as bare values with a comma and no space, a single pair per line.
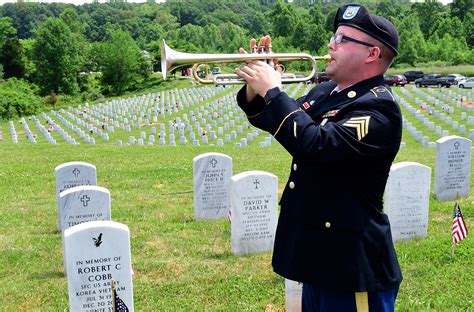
343,136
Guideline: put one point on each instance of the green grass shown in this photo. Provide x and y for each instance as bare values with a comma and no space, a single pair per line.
180,264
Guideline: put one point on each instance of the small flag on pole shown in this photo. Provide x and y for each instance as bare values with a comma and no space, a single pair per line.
117,303
459,227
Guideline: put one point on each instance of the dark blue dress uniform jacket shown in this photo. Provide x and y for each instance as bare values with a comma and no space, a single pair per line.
331,231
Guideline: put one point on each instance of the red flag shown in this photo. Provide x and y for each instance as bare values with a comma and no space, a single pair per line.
459,227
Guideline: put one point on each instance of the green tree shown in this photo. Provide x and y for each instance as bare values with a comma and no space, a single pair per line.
412,43
284,20
6,29
121,62
429,13
58,57
12,58
460,8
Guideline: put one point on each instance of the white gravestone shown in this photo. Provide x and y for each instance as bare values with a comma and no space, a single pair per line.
73,174
212,173
407,199
97,253
254,200
452,168
83,204
293,292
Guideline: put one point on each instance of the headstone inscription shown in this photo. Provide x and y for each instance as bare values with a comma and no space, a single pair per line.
72,174
98,253
452,168
212,173
254,200
407,199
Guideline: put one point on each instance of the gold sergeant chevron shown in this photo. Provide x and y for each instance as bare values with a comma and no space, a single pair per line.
361,124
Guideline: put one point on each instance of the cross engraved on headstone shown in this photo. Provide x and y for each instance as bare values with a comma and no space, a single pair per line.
256,182
85,200
76,172
456,145
213,163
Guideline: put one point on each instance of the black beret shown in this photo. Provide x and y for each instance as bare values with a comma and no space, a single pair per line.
357,16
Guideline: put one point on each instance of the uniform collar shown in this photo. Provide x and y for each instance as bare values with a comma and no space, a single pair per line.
360,88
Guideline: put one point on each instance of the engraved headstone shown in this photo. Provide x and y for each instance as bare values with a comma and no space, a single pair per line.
212,173
407,199
73,174
452,168
254,200
83,204
98,253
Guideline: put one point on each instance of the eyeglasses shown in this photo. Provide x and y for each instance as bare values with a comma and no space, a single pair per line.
338,39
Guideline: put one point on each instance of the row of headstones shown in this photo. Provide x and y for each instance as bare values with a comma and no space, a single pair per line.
443,103
465,109
96,250
431,125
455,95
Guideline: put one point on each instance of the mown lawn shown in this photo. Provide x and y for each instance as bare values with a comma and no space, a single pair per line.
180,264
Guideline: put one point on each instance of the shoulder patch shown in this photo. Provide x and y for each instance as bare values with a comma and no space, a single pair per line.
360,124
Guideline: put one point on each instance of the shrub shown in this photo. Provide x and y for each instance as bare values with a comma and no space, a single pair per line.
17,98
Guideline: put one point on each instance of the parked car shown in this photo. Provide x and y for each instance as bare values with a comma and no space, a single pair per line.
412,75
395,80
456,77
321,77
434,80
466,83
216,70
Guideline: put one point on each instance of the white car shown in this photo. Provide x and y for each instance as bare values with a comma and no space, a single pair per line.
456,77
466,83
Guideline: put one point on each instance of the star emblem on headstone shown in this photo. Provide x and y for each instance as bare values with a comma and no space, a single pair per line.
456,144
256,182
213,162
85,200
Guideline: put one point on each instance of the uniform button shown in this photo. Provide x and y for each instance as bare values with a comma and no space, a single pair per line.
327,225
295,167
292,185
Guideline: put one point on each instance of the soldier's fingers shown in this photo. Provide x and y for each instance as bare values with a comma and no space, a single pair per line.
268,44
261,45
253,45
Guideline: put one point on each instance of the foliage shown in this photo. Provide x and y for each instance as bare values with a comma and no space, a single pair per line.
6,29
12,58
17,98
120,61
58,57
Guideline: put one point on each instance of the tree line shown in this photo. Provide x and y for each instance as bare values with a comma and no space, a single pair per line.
54,47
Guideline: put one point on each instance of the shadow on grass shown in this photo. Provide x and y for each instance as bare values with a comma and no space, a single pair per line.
220,255
47,275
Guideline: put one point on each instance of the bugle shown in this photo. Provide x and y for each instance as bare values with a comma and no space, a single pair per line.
171,59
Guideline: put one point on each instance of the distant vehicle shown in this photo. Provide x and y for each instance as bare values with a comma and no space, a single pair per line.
216,70
456,77
466,83
321,77
434,80
412,75
395,80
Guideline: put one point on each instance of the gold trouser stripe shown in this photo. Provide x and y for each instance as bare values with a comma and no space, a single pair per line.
362,301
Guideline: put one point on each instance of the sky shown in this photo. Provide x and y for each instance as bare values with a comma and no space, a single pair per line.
79,2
